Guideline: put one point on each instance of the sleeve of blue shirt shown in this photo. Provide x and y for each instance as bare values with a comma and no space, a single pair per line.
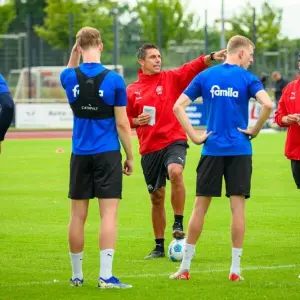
6,108
3,86
120,96
68,80
255,85
194,90
63,76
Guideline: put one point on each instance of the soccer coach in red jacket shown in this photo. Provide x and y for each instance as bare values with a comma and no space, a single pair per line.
162,140
288,115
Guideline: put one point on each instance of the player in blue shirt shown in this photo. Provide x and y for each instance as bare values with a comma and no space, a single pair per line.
226,90
6,109
97,97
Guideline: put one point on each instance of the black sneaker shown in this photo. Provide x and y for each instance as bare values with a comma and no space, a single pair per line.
155,254
178,231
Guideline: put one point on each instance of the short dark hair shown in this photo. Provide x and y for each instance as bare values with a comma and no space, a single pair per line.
141,53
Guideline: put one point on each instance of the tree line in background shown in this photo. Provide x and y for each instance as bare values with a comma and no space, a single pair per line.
166,23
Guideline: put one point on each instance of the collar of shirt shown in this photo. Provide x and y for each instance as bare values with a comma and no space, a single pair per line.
146,77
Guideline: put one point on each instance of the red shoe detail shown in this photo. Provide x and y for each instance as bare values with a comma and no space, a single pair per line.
235,277
181,276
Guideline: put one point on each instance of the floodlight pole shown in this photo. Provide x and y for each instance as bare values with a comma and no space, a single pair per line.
116,39
159,29
223,39
29,54
254,37
205,34
70,32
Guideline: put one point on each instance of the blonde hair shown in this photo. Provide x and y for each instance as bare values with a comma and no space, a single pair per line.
88,37
238,41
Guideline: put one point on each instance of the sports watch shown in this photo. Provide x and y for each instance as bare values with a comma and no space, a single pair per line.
211,56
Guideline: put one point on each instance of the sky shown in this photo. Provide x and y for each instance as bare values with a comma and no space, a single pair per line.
290,20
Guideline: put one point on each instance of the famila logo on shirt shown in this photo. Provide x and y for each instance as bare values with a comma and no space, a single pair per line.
216,91
75,90
89,107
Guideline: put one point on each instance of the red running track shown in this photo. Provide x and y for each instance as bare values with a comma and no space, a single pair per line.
16,135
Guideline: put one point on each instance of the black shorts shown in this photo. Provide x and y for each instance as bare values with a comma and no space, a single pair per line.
295,165
155,164
237,171
96,175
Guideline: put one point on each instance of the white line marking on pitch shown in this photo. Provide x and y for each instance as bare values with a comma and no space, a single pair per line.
215,271
156,275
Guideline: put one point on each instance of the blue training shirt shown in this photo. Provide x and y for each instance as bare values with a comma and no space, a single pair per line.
6,108
3,85
95,136
226,90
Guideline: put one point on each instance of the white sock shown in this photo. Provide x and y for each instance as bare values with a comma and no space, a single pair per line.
76,262
236,261
106,261
188,254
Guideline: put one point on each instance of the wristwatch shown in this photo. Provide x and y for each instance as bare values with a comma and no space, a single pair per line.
211,56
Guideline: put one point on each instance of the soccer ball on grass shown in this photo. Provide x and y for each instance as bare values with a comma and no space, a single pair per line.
175,250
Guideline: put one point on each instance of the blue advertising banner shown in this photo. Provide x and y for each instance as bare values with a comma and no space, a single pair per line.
196,114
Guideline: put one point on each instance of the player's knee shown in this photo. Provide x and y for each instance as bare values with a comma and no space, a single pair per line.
157,198
79,217
111,214
238,215
175,174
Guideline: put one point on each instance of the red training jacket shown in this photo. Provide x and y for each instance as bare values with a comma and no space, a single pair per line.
290,104
161,91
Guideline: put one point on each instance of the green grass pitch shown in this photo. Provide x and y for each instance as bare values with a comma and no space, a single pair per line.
35,212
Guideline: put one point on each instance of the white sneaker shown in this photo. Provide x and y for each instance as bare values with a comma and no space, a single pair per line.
76,282
184,275
112,282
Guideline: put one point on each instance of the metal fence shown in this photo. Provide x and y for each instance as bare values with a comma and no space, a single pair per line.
14,51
